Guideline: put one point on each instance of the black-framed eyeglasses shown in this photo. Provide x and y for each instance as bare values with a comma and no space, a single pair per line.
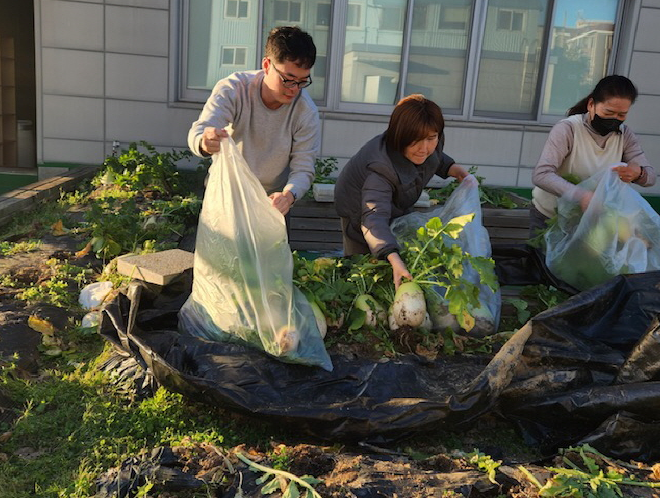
287,83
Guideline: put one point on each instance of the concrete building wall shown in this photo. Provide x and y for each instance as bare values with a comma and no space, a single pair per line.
104,74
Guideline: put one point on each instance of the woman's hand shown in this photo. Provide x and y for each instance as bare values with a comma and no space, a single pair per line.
399,269
628,173
585,199
457,172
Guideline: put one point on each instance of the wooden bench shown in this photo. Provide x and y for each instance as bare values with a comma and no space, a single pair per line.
315,226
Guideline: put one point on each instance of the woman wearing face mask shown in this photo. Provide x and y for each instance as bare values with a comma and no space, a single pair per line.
386,177
593,137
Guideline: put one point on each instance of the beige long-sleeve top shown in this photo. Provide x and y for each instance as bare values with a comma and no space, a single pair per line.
560,144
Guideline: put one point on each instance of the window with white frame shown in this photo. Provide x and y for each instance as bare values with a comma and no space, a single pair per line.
510,20
354,15
454,16
288,11
234,56
391,18
420,17
323,14
512,60
236,9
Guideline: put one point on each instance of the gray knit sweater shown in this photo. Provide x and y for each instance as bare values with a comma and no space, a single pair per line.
280,145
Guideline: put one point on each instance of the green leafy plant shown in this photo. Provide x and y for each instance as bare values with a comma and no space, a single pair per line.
138,170
494,196
354,293
113,228
275,480
542,297
61,289
484,463
323,168
125,226
433,262
586,477
521,307
11,248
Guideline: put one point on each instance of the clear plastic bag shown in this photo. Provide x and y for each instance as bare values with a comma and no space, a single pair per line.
243,269
616,235
474,240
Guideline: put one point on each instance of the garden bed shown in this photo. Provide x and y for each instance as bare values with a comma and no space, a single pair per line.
63,401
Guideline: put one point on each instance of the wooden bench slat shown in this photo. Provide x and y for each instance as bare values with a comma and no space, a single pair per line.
511,233
321,236
315,224
298,245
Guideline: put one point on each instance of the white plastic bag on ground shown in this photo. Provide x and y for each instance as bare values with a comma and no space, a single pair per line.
243,270
473,239
617,234
93,295
91,320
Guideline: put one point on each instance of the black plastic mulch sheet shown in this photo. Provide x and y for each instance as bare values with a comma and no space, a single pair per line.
522,264
587,370
590,371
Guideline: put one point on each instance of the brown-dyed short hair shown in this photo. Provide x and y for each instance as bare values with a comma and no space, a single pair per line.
413,118
290,43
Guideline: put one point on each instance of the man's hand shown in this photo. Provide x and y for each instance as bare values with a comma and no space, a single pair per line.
457,172
399,269
628,173
282,201
211,137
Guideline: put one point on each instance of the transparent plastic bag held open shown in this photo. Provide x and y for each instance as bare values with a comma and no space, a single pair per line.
243,268
473,239
616,235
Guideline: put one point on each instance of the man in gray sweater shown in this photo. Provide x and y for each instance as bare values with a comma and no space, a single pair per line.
270,116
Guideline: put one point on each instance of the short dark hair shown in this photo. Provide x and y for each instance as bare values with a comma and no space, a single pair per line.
413,119
610,86
290,43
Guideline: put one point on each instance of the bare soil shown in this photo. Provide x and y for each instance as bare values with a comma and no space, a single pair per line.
29,269
344,473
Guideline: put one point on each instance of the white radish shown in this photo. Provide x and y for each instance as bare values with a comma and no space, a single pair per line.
320,319
287,338
374,311
409,307
391,321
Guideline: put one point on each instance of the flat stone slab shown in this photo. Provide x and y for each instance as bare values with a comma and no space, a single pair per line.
158,268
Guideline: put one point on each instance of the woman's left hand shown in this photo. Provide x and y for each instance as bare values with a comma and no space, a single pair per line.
457,172
628,173
399,270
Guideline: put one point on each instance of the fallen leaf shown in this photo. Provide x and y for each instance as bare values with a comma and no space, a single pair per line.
656,472
58,229
84,251
469,321
41,325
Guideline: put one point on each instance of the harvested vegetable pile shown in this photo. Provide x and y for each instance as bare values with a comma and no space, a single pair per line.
438,311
